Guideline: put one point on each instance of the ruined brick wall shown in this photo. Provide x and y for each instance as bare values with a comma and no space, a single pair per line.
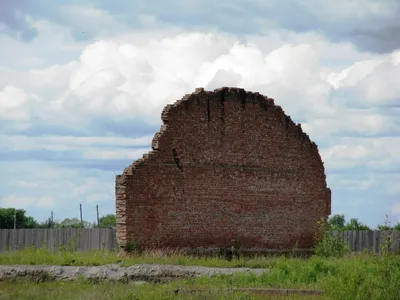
226,165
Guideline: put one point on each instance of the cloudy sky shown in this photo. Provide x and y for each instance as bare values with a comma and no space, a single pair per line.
83,83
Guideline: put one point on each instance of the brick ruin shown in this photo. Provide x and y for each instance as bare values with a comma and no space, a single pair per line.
226,165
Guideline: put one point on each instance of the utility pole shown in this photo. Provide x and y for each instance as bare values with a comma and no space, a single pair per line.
15,227
98,219
80,208
52,219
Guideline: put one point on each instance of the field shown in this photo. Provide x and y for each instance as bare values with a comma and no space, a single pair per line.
351,276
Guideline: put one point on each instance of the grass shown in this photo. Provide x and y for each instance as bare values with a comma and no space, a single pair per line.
352,276
111,291
341,275
33,256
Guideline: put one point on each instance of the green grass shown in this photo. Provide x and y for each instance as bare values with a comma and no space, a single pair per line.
362,276
32,256
112,291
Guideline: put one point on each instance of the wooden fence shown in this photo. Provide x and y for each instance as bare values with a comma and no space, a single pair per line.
105,238
371,240
55,239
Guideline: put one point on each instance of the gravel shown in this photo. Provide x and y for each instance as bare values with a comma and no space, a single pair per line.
137,273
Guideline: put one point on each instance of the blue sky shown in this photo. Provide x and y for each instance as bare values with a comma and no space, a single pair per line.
83,83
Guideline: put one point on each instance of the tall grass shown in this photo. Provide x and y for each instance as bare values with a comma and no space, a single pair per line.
113,291
361,276
341,274
350,276
34,256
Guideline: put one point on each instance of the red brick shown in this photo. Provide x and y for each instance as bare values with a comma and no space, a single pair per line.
226,165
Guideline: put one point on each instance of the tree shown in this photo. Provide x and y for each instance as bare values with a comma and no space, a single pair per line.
7,216
354,224
107,221
387,225
73,223
337,221
46,224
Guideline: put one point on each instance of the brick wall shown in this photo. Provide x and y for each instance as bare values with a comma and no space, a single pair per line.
226,165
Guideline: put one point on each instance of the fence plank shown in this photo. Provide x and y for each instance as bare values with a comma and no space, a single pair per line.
370,241
396,241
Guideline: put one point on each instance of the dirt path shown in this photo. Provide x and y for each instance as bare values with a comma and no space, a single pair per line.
144,272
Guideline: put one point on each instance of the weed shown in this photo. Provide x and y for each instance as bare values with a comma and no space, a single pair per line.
295,250
72,245
133,246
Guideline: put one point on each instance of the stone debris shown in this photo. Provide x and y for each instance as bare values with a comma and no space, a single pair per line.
114,272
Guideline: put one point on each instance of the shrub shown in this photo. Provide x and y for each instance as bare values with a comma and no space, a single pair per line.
326,244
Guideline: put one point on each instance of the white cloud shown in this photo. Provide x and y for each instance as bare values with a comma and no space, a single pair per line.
96,153
14,104
347,122
113,79
45,202
359,9
98,198
27,184
128,78
371,81
26,202
89,184
396,210
39,187
148,20
348,152
92,20
63,143
336,56
54,44
376,153
352,183
355,73
134,79
396,57
3,27
16,202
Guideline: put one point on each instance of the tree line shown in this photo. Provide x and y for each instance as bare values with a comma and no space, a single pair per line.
18,217
10,215
338,222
